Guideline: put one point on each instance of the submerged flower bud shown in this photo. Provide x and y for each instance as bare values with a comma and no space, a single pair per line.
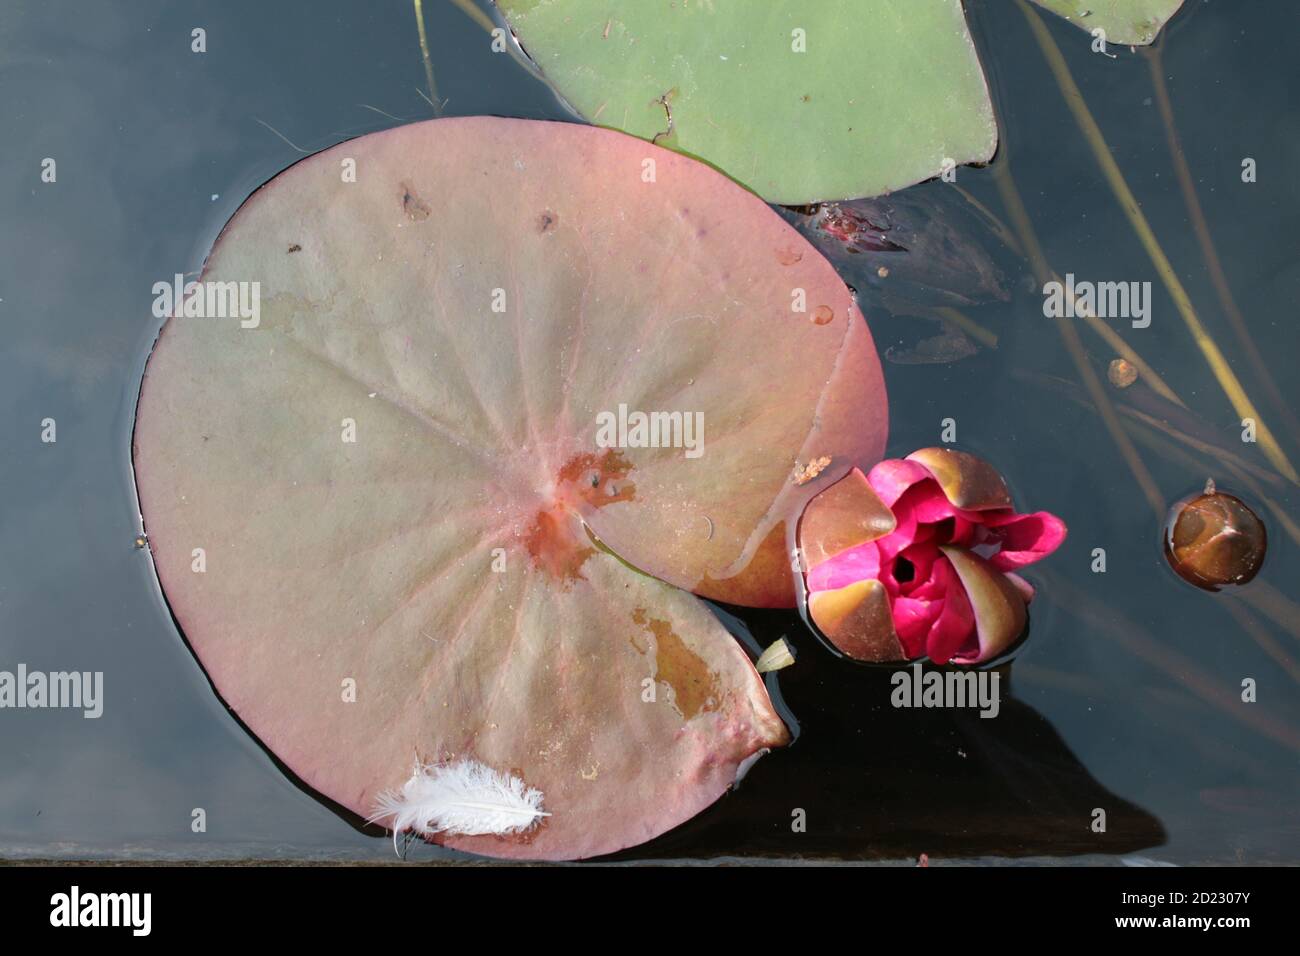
917,557
1213,539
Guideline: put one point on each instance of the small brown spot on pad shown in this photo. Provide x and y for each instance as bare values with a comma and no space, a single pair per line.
823,315
416,209
597,480
546,221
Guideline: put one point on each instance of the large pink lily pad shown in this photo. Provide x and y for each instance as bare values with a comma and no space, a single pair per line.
468,560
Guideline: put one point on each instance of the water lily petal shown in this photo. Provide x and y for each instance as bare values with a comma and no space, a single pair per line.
928,502
916,511
1000,614
1024,587
1025,538
902,537
963,531
954,627
969,482
913,618
893,476
918,603
847,514
857,564
920,558
857,620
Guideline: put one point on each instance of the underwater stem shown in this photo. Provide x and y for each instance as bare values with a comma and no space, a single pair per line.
1109,623
468,8
968,325
1070,335
1274,605
1218,278
428,62
1228,380
1125,351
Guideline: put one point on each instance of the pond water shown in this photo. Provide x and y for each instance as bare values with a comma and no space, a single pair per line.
1128,694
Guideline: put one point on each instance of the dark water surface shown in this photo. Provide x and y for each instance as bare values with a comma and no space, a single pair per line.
1126,697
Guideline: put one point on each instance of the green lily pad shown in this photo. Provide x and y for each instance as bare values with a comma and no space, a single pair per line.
1127,22
883,94
383,512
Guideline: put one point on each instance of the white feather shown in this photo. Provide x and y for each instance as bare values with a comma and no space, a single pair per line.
466,798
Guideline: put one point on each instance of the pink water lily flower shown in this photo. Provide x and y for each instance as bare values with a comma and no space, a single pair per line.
918,558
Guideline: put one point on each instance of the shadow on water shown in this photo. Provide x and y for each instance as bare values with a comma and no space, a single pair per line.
879,782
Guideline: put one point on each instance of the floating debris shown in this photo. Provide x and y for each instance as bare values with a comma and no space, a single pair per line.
1122,373
806,473
465,797
777,656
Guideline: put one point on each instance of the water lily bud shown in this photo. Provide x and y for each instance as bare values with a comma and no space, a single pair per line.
1214,539
917,559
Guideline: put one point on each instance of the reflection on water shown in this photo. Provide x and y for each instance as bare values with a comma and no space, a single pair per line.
1128,695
